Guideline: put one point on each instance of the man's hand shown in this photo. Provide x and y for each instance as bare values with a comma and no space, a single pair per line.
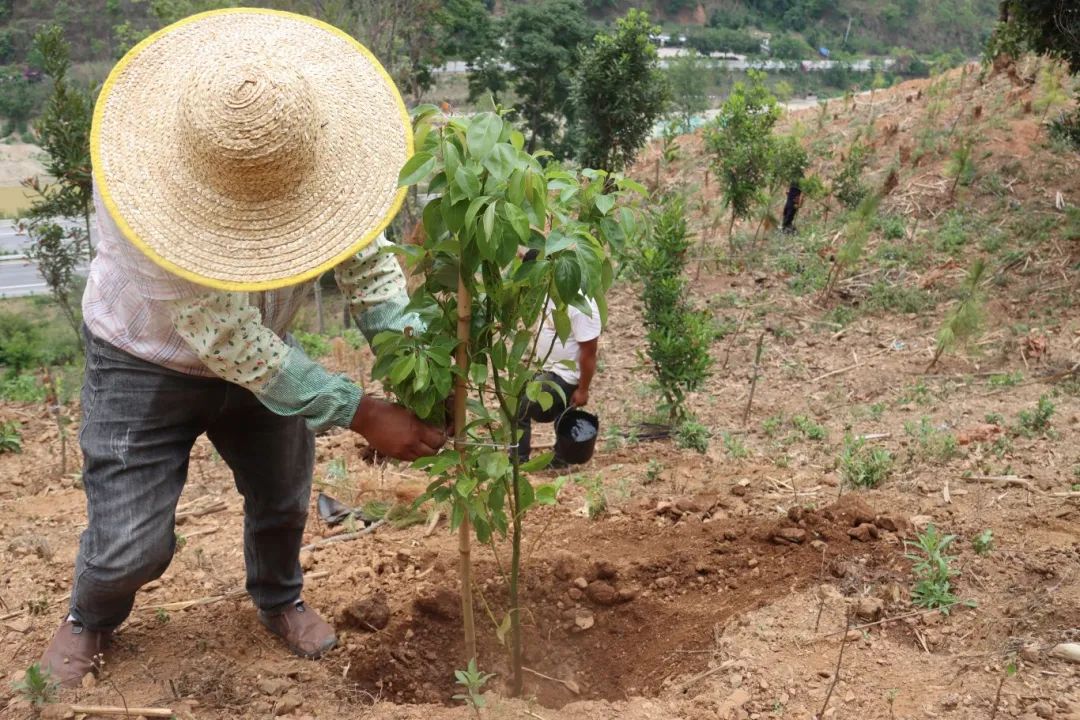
395,431
580,398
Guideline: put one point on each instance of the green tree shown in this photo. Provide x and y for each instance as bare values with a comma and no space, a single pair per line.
1048,27
740,140
790,47
618,94
678,336
480,304
63,132
688,75
542,44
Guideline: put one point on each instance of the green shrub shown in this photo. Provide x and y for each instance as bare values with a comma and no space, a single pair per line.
678,336
983,543
886,297
809,428
848,186
313,344
692,435
10,438
931,443
21,387
863,466
1036,420
892,227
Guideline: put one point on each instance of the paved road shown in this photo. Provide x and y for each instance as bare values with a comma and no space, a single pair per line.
18,276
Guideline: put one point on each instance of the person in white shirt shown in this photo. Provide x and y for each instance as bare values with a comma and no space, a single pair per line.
570,365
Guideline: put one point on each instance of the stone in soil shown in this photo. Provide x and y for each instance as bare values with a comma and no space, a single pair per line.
370,613
602,593
864,532
272,686
794,536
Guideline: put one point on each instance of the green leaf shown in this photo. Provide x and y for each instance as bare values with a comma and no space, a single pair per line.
402,369
562,324
503,630
416,169
526,495
537,463
547,494
478,373
483,133
546,401
567,277
467,181
489,222
604,203
518,220
454,215
500,162
494,465
421,380
517,139
465,485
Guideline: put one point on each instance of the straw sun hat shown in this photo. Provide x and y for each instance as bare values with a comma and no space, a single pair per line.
249,149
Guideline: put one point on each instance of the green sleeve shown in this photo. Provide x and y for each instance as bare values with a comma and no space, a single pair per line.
303,387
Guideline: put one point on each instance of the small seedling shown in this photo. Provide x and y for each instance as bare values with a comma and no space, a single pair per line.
863,466
983,542
932,444
10,438
692,435
772,425
735,447
995,418
652,473
38,686
809,428
596,503
473,681
162,616
1032,422
965,321
181,541
932,570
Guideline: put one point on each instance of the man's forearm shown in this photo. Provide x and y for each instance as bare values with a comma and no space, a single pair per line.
587,365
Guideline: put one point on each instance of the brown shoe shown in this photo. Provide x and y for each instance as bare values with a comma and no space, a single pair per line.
71,653
306,634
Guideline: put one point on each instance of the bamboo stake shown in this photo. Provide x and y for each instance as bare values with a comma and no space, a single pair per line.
754,378
102,710
464,312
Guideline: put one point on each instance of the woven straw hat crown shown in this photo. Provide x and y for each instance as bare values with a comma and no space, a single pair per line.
249,149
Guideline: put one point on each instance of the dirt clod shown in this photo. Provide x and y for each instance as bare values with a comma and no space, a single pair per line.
370,613
865,532
290,702
602,593
272,686
795,536
440,603
1043,709
870,608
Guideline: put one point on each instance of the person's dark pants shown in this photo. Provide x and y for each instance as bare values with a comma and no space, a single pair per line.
533,412
140,422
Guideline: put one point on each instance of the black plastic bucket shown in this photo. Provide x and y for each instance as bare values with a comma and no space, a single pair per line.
575,436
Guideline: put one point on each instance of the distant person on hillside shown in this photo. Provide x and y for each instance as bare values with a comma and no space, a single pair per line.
236,156
570,366
791,208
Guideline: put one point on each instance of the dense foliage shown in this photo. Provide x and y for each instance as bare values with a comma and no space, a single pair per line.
619,93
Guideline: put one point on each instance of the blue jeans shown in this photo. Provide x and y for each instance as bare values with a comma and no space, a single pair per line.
140,422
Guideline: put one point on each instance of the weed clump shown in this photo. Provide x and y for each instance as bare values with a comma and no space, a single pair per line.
933,570
863,466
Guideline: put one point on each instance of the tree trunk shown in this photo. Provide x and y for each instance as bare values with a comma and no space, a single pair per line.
515,606
464,313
